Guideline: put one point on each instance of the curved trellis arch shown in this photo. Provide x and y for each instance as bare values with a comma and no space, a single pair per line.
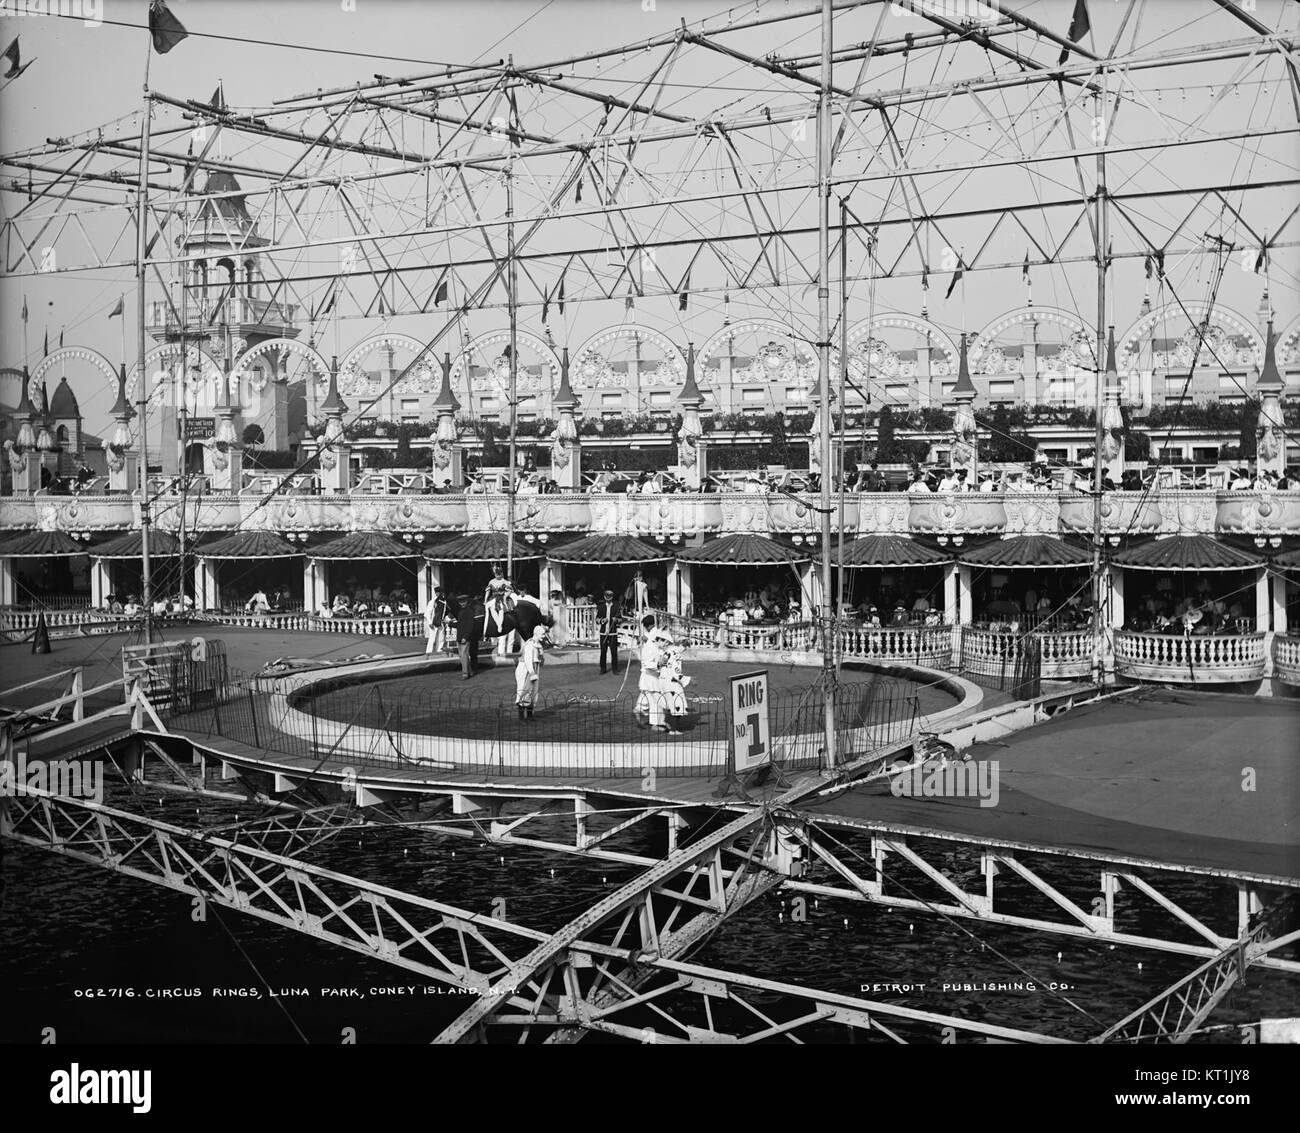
1132,342
81,354
481,345
802,354
885,362
210,374
1078,342
589,368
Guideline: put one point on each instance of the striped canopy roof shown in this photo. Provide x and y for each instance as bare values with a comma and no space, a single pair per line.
1039,551
250,545
162,544
889,551
607,550
1187,552
742,550
363,545
41,545
486,547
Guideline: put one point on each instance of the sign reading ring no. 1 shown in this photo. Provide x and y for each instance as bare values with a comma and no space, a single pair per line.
751,728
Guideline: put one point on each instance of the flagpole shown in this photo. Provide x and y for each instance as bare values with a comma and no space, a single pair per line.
1098,590
142,390
514,360
829,624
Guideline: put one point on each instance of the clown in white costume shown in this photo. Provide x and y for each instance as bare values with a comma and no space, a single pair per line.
652,699
673,687
528,672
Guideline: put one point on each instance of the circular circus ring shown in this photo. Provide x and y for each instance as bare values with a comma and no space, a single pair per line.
81,354
291,697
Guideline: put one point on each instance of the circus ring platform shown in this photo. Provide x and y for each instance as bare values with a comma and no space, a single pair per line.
416,713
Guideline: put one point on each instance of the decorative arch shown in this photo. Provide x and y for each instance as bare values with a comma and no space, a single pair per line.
1078,341
81,354
1288,344
590,368
203,388
424,379
483,345
320,367
787,357
1129,347
885,361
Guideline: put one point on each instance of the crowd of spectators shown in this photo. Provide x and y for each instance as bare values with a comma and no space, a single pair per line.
365,602
1205,616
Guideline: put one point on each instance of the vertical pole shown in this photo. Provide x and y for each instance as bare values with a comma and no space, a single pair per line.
182,421
142,391
512,272
1099,593
844,378
829,623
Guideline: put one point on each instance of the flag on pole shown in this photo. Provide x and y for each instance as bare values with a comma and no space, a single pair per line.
561,303
685,295
11,56
382,311
925,280
218,99
628,304
117,308
546,307
577,197
1146,264
166,29
60,338
956,278
1080,26
24,308
47,342
1024,271
440,295
1160,265
1261,261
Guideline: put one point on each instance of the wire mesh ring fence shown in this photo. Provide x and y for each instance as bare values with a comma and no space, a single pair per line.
355,721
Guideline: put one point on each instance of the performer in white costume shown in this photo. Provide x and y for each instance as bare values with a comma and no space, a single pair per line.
652,697
528,672
498,598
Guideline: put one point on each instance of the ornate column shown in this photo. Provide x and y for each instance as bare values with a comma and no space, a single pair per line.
965,600
951,610
7,587
965,448
206,595
1271,446
24,460
1112,421
101,585
566,448
1279,602
335,465
121,461
448,456
685,589
225,453
692,453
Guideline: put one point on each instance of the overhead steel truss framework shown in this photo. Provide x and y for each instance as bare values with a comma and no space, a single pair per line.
387,198
621,967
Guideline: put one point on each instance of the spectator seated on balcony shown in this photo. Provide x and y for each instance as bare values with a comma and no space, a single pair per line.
1239,481
947,482
1266,482
918,484
920,604
132,607
161,608
900,616
384,610
991,483
342,606
258,603
114,604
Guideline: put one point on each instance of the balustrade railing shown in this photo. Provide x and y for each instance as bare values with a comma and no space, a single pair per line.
1286,658
990,653
1190,659
930,646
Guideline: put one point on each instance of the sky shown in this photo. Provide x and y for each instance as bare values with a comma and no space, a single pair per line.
86,72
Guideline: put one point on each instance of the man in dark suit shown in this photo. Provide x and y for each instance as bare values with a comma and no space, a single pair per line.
607,615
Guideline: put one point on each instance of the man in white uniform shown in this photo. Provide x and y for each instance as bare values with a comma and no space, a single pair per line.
436,613
528,672
652,698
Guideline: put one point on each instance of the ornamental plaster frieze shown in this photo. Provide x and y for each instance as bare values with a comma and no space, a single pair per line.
1258,513
1122,513
957,515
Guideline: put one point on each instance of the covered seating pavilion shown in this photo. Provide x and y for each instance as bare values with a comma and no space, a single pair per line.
1026,586
266,563
893,571
366,561
721,570
37,565
602,562
117,567
1187,609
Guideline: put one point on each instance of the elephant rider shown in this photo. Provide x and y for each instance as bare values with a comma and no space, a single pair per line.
498,598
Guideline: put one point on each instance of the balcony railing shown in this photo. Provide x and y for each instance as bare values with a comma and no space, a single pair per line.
1286,658
991,653
930,646
1179,658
